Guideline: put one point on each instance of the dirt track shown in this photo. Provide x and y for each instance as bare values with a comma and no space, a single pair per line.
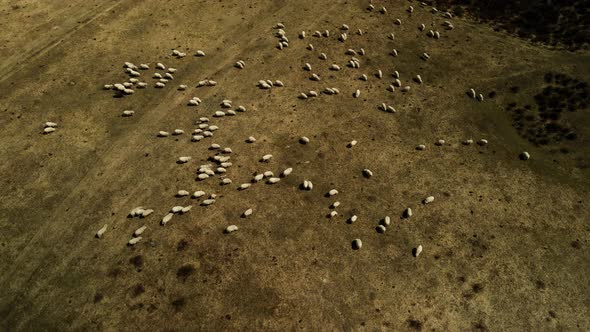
505,241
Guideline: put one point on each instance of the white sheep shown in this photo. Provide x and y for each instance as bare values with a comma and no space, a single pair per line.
333,192
394,52
134,240
335,67
304,140
379,74
428,200
287,171
398,21
307,185
208,202
407,213
418,79
48,130
139,231
167,218
307,67
101,231
160,85
244,186
367,173
183,160
128,113
418,251
200,53
160,66
357,93
266,158
231,229
351,143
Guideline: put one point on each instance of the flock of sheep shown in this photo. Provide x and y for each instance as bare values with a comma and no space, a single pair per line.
221,158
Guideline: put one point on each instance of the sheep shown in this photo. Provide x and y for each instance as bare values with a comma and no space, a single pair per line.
128,113
160,85
231,229
160,66
471,93
48,130
310,47
417,251
196,138
302,96
258,177
405,89
266,158
391,36
145,213
247,213
525,155
312,93
200,53
379,74
398,21
356,244
183,160
343,37
268,174
371,7
227,150
407,213
410,9
157,75
302,35
101,231
273,180
397,82
166,218
163,80
383,10
177,132
133,80
350,52
425,56
127,85
279,84
394,53
390,109
421,27
332,192
468,142
351,143
219,114
480,97
307,67
357,93
335,67
361,51
211,83
280,46
182,87
128,91
440,142
447,15
303,140
386,221
364,77
139,231
144,66
380,229
208,202
198,194
251,139
418,79
134,241
323,56
226,181
220,170
359,32
307,185
163,133
428,200
430,33
142,85
482,142
244,186
135,212
172,70
391,88
326,33
240,64
50,124
107,86
287,172
421,147
182,193
436,35
213,128
202,176
367,173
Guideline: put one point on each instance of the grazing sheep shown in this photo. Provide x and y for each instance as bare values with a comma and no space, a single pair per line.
482,142
468,142
310,46
287,171
302,34
407,213
428,200
160,85
425,56
364,77
371,7
142,85
391,88
231,229
436,35
379,74
50,124
134,241
268,174
302,96
417,251
367,173
405,88
380,229
343,37
304,140
182,87
394,52
307,67
480,97
421,27
356,244
208,202
48,130
244,186
160,66
421,147
418,79
332,192
279,83
335,67
198,194
391,36
128,113
251,139
219,114
440,142
398,21
183,160
101,231
167,218
200,53
323,56
410,9
525,155
273,180
266,158
144,66
182,193
247,213
351,143
139,231
312,93
383,10
258,177
177,132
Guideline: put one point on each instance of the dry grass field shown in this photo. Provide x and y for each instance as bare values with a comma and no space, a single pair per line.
505,242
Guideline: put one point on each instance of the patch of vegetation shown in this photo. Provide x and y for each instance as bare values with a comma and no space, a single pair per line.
558,23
